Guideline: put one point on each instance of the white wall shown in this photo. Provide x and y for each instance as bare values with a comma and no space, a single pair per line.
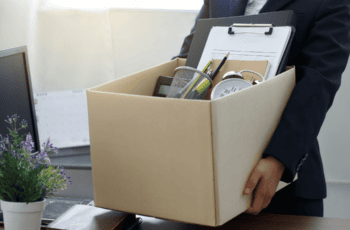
90,47
71,49
14,17
145,38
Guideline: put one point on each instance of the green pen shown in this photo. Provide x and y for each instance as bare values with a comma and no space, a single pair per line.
194,82
202,87
206,83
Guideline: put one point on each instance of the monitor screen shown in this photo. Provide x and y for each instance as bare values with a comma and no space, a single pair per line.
16,95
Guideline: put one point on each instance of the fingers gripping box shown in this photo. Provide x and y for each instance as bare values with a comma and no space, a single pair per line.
182,160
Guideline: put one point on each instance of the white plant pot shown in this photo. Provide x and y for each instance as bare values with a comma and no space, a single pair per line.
19,216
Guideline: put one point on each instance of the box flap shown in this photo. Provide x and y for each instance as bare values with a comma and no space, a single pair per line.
140,83
255,112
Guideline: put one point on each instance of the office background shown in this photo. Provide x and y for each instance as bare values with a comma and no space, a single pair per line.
82,46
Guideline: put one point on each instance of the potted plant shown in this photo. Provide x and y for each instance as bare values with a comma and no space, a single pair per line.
26,178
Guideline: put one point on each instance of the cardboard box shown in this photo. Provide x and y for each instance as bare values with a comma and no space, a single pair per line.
182,160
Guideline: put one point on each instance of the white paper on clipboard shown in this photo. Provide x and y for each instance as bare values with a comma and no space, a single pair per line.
248,43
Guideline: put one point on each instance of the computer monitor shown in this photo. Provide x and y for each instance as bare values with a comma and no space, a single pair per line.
16,95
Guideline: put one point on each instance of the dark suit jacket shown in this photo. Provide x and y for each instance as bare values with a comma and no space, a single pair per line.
320,51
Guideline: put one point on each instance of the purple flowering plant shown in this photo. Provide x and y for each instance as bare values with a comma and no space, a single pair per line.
26,176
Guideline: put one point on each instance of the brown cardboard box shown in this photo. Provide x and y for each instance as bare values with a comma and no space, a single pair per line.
183,160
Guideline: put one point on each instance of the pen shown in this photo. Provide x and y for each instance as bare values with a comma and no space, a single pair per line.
207,66
219,67
178,95
194,82
137,222
205,84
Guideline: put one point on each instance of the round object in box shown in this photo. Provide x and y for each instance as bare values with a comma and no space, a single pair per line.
229,86
232,74
235,74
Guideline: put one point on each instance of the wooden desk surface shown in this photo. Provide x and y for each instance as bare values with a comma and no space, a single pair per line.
274,222
248,222
262,221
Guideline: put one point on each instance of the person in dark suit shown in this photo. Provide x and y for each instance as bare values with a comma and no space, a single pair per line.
319,52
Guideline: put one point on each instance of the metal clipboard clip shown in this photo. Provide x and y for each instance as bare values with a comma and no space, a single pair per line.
230,31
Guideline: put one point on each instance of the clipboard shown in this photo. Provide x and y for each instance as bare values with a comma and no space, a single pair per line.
280,18
250,42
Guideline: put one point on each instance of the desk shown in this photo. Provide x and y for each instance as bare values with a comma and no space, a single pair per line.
43,228
248,222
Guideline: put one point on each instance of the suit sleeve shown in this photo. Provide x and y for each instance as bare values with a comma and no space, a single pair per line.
203,13
320,64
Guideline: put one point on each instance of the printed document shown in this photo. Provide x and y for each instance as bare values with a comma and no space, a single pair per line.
248,43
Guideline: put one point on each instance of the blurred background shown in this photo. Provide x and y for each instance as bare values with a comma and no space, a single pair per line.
74,45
